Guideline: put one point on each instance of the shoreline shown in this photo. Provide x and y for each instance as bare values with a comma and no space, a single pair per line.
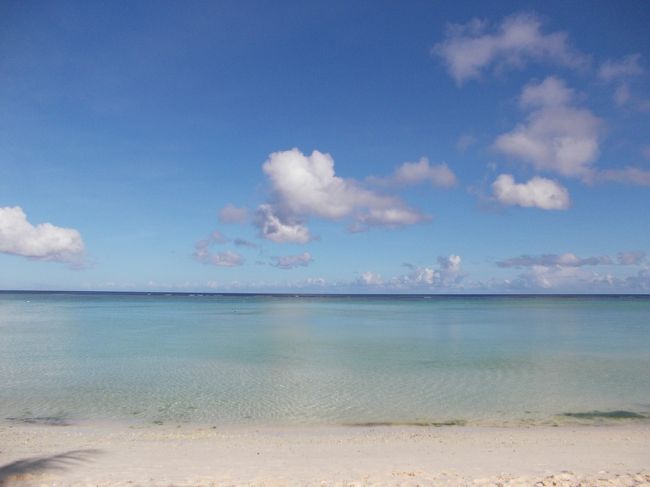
188,455
594,418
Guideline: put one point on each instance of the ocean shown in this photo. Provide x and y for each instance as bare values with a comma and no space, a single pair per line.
323,360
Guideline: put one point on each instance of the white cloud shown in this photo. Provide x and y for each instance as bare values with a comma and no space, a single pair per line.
538,193
552,92
293,261
307,186
567,259
556,137
388,217
625,68
470,48
414,173
418,172
232,214
274,229
41,242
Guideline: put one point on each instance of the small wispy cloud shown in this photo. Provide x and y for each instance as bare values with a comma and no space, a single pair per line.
292,261
240,242
226,258
567,259
422,171
470,49
632,257
464,142
218,237
626,175
232,214
623,73
645,150
621,69
203,252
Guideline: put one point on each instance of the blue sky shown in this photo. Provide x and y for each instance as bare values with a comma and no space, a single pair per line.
355,146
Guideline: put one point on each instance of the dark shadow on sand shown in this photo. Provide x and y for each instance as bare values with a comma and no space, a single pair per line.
435,424
34,465
59,420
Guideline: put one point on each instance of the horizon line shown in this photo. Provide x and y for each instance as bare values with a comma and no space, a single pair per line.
303,294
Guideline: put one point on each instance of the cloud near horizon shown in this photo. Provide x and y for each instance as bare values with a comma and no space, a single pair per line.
446,276
44,241
568,272
575,279
471,48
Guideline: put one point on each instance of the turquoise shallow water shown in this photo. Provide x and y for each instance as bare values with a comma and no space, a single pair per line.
321,360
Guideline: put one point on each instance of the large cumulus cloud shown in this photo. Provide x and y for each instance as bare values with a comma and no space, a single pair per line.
304,186
43,241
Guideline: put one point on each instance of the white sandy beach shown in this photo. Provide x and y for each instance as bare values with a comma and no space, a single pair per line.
188,455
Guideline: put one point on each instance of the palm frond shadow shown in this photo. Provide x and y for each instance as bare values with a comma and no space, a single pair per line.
34,465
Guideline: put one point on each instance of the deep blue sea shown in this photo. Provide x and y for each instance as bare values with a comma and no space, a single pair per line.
284,360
